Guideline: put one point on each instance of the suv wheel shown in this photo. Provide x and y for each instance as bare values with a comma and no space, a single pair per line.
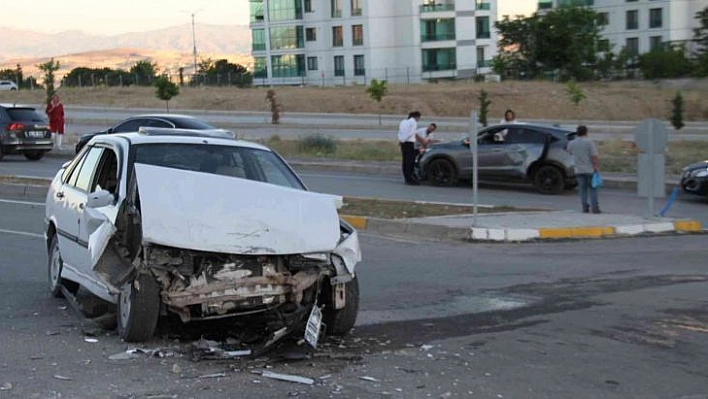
441,172
548,180
138,308
1,154
34,155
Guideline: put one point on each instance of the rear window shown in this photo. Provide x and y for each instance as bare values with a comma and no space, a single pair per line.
25,115
189,123
237,162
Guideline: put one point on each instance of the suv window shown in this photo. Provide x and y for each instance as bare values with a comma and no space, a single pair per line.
190,123
107,173
25,115
158,123
525,136
130,126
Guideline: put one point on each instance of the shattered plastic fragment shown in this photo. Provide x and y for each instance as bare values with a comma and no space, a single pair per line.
90,340
426,347
61,377
122,356
215,375
6,386
287,377
367,378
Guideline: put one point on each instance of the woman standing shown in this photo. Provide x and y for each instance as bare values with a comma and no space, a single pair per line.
55,112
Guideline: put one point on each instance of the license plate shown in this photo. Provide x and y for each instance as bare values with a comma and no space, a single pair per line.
35,134
314,325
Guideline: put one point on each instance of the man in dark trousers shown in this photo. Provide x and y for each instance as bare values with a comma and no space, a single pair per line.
587,162
407,136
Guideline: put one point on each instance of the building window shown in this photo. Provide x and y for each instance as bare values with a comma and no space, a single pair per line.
284,10
359,67
356,8
632,20
655,43
336,8
603,45
439,59
632,46
288,65
337,36
437,29
338,65
603,19
307,5
311,63
482,62
256,10
286,38
258,40
357,35
482,26
311,34
656,18
260,67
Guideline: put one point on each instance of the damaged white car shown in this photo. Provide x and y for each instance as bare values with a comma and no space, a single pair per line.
203,227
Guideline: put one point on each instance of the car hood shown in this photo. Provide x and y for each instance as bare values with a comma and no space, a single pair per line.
697,165
213,213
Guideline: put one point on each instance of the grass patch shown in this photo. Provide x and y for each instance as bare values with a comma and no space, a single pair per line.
621,156
392,209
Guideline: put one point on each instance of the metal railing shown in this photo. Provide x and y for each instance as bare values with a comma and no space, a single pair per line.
437,7
435,37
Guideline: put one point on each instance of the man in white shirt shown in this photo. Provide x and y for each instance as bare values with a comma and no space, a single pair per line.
407,136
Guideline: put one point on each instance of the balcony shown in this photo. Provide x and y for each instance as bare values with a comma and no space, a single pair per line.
545,5
356,12
484,64
484,35
436,37
484,6
439,67
258,47
437,7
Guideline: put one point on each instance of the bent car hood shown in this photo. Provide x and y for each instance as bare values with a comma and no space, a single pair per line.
207,212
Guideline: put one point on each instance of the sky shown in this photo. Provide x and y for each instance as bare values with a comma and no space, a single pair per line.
127,16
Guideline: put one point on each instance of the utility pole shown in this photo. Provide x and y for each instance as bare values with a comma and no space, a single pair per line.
194,40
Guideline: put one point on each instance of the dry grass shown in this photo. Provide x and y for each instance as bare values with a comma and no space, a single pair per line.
533,100
621,156
391,209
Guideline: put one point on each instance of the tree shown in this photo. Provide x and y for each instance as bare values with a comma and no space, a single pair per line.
700,38
143,73
377,90
49,68
484,103
222,72
677,111
274,106
165,90
665,62
574,92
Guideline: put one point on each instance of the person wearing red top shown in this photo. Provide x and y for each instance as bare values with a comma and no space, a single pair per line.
55,112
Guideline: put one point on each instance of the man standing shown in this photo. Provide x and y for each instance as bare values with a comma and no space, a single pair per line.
55,112
407,137
587,162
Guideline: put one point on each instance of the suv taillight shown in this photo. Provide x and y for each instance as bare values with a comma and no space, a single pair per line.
16,126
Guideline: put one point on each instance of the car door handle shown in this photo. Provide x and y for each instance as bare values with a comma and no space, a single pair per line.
59,194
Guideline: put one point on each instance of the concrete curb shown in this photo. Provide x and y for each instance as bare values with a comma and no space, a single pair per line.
483,234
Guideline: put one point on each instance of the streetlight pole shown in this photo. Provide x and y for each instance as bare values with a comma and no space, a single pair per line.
194,39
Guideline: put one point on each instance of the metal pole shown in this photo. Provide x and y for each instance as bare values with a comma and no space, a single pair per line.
473,150
194,42
652,172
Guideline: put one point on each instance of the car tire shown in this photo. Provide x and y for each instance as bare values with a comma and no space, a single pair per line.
548,180
138,308
34,155
1,153
54,268
441,172
341,321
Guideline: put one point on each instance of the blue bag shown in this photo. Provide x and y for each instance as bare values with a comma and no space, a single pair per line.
596,180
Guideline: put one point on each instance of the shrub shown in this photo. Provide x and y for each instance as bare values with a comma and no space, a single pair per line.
677,111
318,144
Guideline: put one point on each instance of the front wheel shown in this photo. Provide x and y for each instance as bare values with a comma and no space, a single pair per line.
341,321
441,172
138,308
34,155
54,268
548,180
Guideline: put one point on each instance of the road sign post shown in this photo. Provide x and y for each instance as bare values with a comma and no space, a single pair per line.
651,137
473,150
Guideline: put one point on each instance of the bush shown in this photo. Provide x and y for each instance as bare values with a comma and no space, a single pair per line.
677,111
318,144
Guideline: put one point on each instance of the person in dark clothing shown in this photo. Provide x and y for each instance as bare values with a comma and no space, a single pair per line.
407,137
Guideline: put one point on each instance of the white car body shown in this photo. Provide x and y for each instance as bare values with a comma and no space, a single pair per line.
7,85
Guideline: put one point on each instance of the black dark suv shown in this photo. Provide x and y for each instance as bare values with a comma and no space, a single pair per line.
24,130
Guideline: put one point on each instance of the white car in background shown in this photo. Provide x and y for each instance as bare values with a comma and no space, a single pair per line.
172,221
7,85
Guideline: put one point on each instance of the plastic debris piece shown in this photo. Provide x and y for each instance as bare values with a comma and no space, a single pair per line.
215,375
6,386
287,377
367,378
122,356
176,369
61,377
426,347
325,377
90,340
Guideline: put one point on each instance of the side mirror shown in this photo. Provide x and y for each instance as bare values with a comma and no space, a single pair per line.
99,199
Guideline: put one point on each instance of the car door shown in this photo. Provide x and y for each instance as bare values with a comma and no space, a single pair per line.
69,201
491,153
524,147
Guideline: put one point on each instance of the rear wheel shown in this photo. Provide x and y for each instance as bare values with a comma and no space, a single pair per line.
1,154
34,155
548,180
341,321
138,308
442,172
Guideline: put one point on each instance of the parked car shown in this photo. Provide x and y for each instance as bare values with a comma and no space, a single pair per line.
8,85
529,152
694,179
132,124
24,130
183,222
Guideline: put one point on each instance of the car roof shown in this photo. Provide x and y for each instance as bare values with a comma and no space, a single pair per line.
9,105
164,116
180,138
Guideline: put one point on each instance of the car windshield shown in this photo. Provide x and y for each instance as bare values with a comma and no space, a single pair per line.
191,123
239,162
25,115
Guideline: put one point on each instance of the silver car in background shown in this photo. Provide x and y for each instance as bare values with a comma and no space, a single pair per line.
507,152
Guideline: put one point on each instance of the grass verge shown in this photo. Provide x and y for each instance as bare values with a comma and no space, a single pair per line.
393,209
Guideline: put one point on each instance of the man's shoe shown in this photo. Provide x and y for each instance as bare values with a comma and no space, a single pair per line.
412,183
596,210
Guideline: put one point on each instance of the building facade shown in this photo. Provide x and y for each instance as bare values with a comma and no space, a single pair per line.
345,42
640,26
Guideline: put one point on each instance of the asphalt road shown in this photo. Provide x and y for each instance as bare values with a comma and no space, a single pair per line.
385,186
437,320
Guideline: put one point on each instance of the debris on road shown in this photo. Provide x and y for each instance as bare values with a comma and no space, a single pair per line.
90,340
215,375
205,349
371,379
61,377
6,386
426,347
287,377
122,356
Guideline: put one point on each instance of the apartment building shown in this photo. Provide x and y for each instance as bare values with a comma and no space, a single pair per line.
641,25
346,42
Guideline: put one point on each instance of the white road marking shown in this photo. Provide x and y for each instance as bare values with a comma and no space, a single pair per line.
22,233
6,201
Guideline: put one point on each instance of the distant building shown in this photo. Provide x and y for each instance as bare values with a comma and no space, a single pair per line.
640,25
345,42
